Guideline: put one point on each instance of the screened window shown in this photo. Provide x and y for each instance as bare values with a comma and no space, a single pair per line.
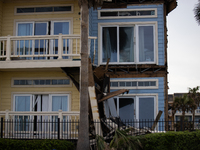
133,84
128,13
40,82
43,9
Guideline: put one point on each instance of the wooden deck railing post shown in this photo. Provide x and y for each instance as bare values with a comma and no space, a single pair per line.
8,48
60,46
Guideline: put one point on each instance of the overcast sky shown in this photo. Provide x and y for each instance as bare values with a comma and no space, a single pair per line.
183,48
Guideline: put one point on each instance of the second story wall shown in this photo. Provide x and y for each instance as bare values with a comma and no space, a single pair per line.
149,28
10,17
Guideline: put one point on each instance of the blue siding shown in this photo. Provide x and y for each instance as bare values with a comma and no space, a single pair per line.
159,91
93,31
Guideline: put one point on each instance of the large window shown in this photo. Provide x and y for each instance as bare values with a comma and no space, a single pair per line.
128,44
42,46
131,108
41,102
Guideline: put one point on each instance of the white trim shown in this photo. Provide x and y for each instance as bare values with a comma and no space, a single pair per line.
69,100
40,78
13,101
135,87
50,94
124,10
54,63
136,102
68,19
36,13
136,54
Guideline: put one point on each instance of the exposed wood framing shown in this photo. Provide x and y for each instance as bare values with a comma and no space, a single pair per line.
93,100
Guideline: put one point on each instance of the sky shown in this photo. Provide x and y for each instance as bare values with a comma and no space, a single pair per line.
183,48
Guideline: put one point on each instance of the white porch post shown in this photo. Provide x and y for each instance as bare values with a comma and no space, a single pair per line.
60,46
8,48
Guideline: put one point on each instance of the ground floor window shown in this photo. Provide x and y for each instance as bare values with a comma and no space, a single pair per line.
131,108
39,103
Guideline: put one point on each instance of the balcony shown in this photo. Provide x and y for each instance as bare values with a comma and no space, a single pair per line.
47,51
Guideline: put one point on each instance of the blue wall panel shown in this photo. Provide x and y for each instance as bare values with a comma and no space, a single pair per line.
93,31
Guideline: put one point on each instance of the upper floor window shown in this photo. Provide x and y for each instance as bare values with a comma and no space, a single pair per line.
127,44
127,13
42,46
134,84
50,82
41,9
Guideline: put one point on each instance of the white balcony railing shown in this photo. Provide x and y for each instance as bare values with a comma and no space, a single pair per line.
42,47
44,124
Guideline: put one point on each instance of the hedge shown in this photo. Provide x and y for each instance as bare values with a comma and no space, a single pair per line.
13,144
171,141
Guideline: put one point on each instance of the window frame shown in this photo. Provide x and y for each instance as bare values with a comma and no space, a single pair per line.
36,13
14,100
40,78
136,102
43,20
122,10
37,93
136,44
135,87
68,101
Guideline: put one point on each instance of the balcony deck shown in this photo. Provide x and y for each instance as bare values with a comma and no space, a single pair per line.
47,51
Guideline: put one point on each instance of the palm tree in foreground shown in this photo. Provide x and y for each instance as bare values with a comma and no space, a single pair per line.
182,104
197,12
194,97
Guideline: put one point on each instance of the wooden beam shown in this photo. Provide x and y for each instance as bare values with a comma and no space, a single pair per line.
112,94
156,120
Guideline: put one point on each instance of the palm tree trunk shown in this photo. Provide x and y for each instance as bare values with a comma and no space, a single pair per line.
193,117
172,121
83,136
183,120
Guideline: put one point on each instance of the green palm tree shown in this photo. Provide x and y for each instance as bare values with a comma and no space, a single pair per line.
182,104
120,141
194,97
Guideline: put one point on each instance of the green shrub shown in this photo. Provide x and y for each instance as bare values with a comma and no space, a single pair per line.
171,141
12,144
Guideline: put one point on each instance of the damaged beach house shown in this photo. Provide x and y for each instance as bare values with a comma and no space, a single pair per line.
40,64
